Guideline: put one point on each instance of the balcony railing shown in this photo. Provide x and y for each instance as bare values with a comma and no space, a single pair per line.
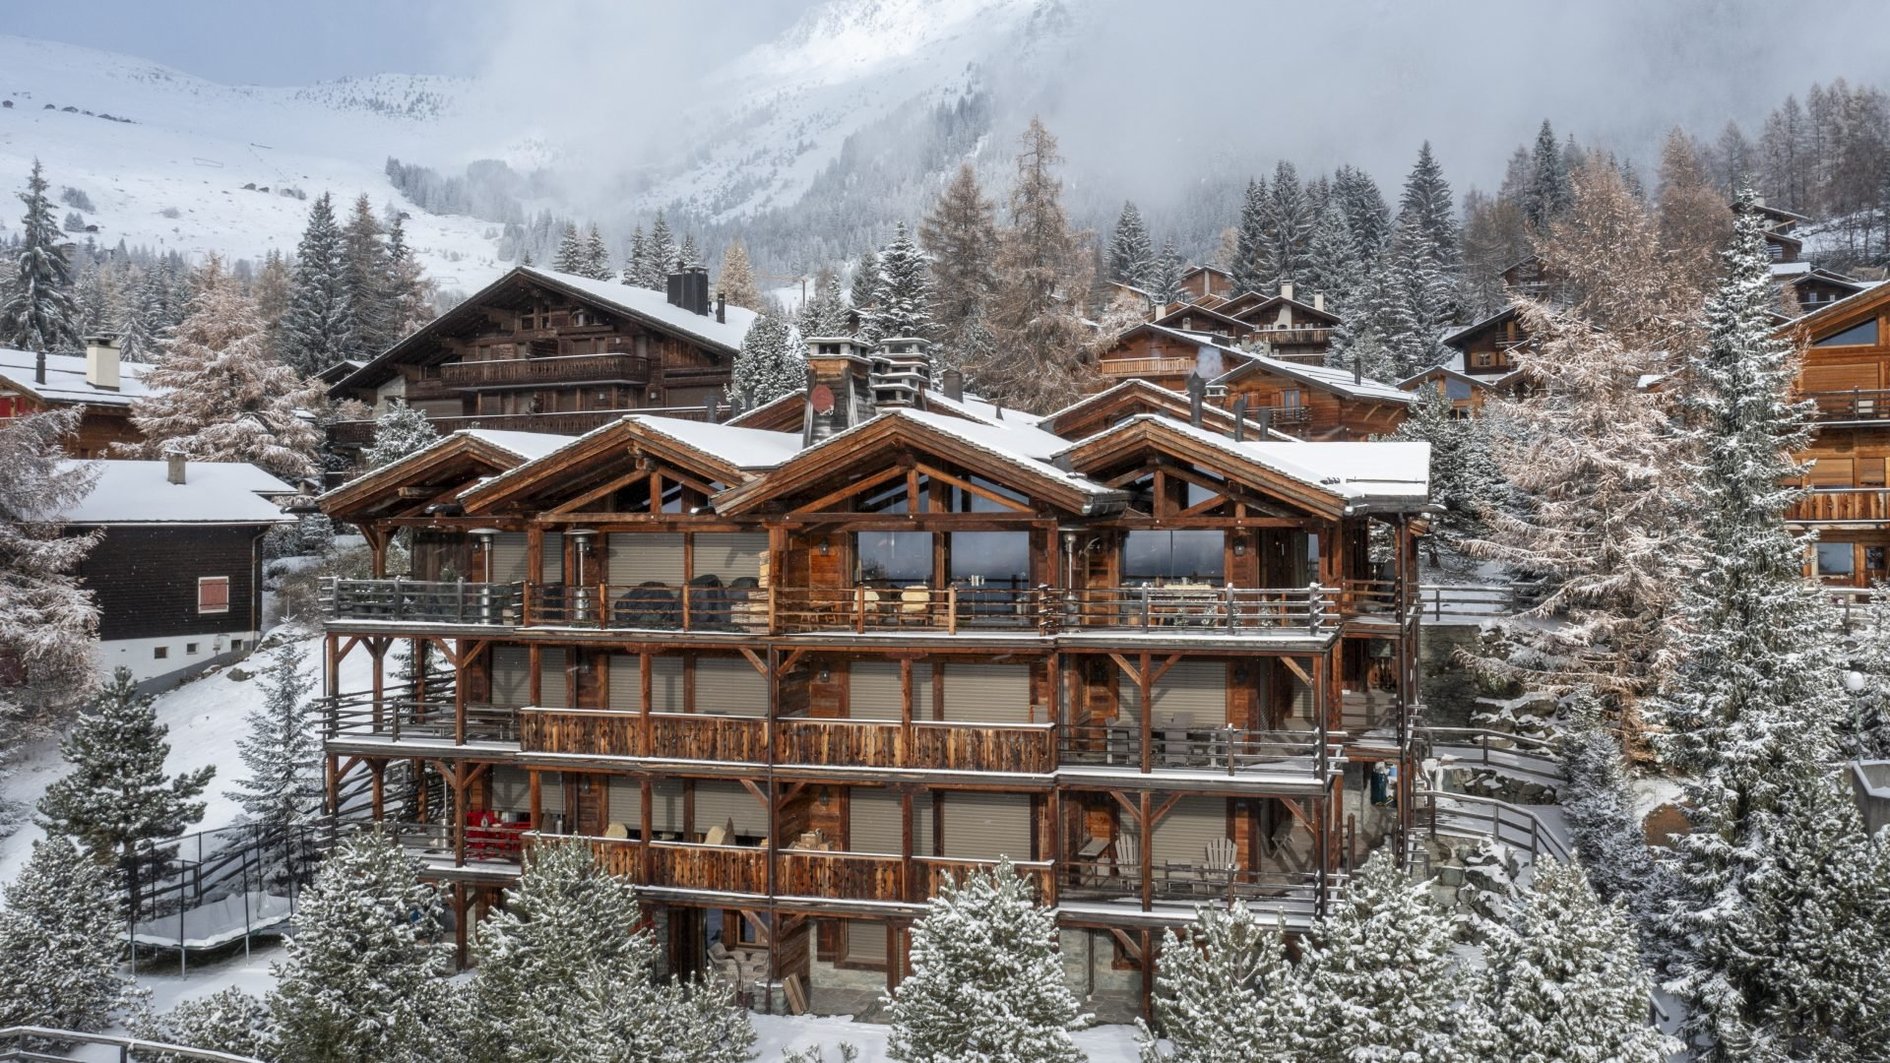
619,368
422,602
913,608
672,735
1223,750
849,876
1841,504
650,606
1124,367
596,732
701,736
1857,404
930,746
721,868
1191,882
1202,607
836,743
357,715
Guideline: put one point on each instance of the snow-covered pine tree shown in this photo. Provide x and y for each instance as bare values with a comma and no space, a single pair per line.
1379,973
361,979
222,399
1564,977
1043,272
737,282
688,256
1378,335
663,254
230,1020
365,262
861,293
319,328
986,982
60,933
570,258
1250,240
902,303
1334,264
400,430
281,752
39,313
636,261
1865,732
1751,711
826,314
770,364
1548,195
411,294
1599,808
48,620
1225,990
1164,282
960,238
137,340
1464,479
1366,212
1286,222
115,794
1426,258
596,256
1131,252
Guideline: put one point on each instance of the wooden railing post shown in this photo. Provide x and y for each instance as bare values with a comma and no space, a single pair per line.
859,609
951,610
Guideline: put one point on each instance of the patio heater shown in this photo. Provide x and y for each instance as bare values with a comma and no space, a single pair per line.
581,604
486,597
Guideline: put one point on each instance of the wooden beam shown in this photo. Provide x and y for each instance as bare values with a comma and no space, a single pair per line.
851,489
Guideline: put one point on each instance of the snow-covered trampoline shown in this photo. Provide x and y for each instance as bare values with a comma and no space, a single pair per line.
216,923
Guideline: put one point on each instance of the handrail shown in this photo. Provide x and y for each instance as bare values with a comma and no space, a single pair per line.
1511,825
1202,606
11,1037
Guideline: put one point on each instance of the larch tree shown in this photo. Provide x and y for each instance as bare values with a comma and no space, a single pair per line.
986,981
272,290
1225,990
1043,274
39,313
960,239
48,620
281,753
737,282
115,794
400,430
319,328
1131,252
1693,221
1564,978
362,977
902,303
770,364
217,396
60,934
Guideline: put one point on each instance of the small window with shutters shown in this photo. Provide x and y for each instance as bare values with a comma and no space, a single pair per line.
213,594
1870,472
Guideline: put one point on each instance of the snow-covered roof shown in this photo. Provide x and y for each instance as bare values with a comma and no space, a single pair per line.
1790,269
1321,376
978,409
1451,368
744,448
527,445
65,379
655,306
1456,333
1018,440
213,492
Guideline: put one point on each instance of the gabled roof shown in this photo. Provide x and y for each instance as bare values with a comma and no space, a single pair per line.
65,379
1458,337
1320,377
213,493
1017,455
448,464
1244,310
1412,382
1837,314
1136,395
786,410
1192,311
651,308
1192,270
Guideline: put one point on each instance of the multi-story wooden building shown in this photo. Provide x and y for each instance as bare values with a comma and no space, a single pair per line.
1846,373
97,381
789,681
539,351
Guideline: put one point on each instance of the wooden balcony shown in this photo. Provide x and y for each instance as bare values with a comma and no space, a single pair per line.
715,868
1202,608
1246,759
592,732
916,608
698,736
1862,505
1294,337
840,876
405,601
1856,406
930,873
617,368
648,607
672,735
433,721
1131,367
837,743
929,746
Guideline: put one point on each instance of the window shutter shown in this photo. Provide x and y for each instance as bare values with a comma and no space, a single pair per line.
873,824
645,558
986,693
721,800
730,555
976,826
730,686
508,557
873,690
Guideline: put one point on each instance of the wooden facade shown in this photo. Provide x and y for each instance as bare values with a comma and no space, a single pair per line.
1846,373
790,686
97,382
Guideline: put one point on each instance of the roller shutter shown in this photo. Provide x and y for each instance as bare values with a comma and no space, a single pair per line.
730,686
508,557
551,792
645,558
666,806
1183,837
866,942
1190,694
511,676
551,561
666,684
511,789
873,690
730,555
553,680
626,803
976,826
873,824
720,800
922,834
987,693
626,685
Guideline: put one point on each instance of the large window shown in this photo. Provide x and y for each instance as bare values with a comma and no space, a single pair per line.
1837,559
1174,555
213,594
896,557
1864,335
1001,558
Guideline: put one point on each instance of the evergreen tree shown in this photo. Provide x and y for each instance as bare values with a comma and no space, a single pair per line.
137,336
1131,254
770,364
663,254
1286,227
1225,991
1548,195
864,289
596,257
1043,270
960,239
361,978
116,794
688,256
737,282
1599,807
1464,479
410,298
39,313
319,328
1426,263
1164,282
370,296
400,430
902,303
1366,213
48,620
1249,267
60,932
1865,733
1565,978
216,396
636,264
826,314
281,751
1334,262
571,256
986,981
229,1020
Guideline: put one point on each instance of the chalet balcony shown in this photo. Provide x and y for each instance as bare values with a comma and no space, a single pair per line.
506,373
1202,608
587,732
716,868
1863,505
741,606
420,602
1294,337
1260,759
359,716
699,736
929,745
1856,406
823,875
671,735
1189,883
1137,367
910,609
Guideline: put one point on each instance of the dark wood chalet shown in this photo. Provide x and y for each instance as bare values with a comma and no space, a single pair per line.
1316,402
539,351
790,681
1290,329
1466,393
98,381
1206,285
1485,346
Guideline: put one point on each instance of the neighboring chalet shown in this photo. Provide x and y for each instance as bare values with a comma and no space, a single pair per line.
1466,393
1163,349
1166,356
1485,347
1206,285
97,380
1313,402
790,679
177,575
1292,330
539,351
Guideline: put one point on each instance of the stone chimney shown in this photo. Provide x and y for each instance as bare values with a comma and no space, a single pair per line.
1286,289
954,384
1319,301
839,388
176,462
721,308
101,362
902,370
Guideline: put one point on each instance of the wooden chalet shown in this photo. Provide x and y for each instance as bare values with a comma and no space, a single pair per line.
99,381
1485,345
789,681
1166,356
1314,402
1291,330
539,351
1206,285
1466,393
1132,397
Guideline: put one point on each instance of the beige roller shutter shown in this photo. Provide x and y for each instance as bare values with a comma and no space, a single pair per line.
866,942
551,561
984,826
626,803
511,676
666,806
873,690
873,824
730,555
508,557
666,684
553,689
645,558
1183,837
626,685
987,693
720,800
1190,694
730,686
922,839
511,789
551,792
